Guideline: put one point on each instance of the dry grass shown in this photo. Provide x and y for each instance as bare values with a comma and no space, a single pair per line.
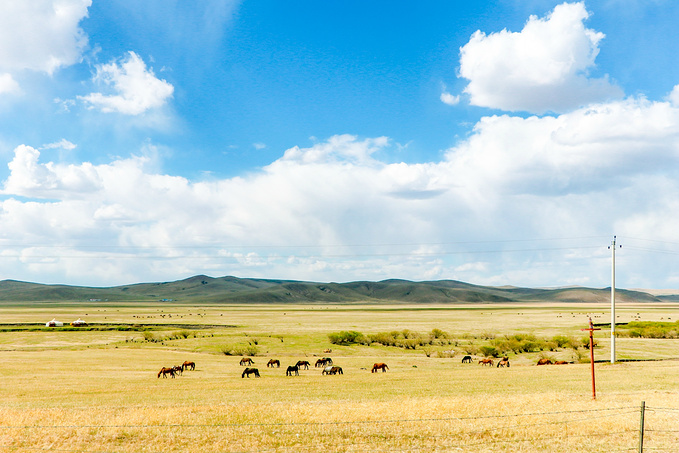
71,392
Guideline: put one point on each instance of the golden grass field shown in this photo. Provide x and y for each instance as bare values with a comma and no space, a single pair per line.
97,391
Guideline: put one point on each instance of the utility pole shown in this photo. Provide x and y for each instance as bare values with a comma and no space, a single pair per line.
591,330
612,247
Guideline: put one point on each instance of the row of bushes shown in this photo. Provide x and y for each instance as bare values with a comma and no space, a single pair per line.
517,343
156,338
402,339
648,329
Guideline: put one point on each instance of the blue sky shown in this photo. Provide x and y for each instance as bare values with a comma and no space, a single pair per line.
500,142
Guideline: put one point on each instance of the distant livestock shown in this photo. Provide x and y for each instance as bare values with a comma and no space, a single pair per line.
246,361
467,359
545,362
488,362
248,371
332,370
380,366
292,369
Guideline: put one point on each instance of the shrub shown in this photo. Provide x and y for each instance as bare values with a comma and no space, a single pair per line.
489,351
347,337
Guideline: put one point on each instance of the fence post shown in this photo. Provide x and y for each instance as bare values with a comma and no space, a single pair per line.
641,427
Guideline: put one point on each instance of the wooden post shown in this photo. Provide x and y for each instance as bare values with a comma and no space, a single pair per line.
591,329
641,427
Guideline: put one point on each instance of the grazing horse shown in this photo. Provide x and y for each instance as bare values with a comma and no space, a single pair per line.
545,362
248,371
380,366
188,365
292,369
325,361
332,370
503,362
327,351
488,362
560,362
246,361
178,369
274,363
303,364
467,359
165,371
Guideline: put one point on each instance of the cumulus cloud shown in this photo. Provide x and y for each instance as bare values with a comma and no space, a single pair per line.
333,211
449,99
674,96
135,89
41,35
542,68
8,84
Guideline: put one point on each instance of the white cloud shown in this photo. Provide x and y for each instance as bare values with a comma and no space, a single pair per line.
333,211
136,88
8,85
674,96
542,68
259,145
41,35
449,99
61,144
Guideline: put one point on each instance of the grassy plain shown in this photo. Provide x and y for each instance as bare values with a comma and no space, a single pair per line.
97,391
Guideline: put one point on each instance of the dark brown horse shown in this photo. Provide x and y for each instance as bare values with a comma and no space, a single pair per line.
292,369
274,363
380,366
178,370
560,362
467,359
188,365
303,364
248,371
246,361
545,362
504,362
325,361
165,371
488,362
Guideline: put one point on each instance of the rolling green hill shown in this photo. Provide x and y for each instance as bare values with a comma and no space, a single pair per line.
204,289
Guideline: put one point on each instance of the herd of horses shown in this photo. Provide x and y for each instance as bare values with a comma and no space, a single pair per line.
504,362
328,367
293,370
176,370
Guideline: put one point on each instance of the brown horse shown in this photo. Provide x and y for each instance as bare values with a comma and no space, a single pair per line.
246,361
165,371
327,351
303,364
274,363
332,370
380,366
467,359
325,361
560,362
488,362
504,362
178,370
292,369
248,371
188,365
545,362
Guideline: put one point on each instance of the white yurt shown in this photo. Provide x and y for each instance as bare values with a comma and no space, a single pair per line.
54,323
78,323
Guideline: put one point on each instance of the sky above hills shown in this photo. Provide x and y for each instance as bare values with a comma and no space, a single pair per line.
498,142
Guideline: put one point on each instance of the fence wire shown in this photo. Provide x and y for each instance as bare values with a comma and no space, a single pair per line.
449,437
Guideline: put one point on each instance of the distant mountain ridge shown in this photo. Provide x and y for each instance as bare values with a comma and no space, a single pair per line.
228,289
